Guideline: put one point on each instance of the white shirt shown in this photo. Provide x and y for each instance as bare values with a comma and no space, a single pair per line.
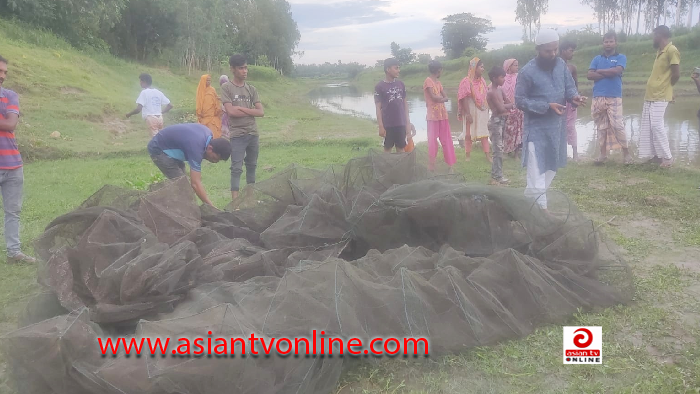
152,101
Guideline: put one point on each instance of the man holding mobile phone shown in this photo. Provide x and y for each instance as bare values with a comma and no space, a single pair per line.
545,86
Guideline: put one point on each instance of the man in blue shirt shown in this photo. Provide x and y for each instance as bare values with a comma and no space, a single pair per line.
191,143
606,70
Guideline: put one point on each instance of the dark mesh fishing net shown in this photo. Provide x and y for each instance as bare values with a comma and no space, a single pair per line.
374,248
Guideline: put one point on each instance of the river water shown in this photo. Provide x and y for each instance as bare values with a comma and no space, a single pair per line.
681,119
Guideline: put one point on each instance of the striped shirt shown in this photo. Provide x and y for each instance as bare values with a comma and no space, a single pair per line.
10,158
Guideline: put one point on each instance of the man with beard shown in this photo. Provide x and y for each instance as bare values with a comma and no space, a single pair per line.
545,85
653,140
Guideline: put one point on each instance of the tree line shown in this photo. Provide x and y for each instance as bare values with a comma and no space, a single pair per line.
641,16
196,34
627,16
329,70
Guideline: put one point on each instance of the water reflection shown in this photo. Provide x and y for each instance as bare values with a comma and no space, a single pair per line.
681,120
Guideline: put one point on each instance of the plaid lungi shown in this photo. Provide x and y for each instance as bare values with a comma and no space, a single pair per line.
607,116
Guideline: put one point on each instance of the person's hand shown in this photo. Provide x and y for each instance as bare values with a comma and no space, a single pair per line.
128,116
413,130
211,205
382,132
695,77
470,120
558,108
580,101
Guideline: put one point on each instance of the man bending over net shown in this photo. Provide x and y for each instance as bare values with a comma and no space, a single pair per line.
191,143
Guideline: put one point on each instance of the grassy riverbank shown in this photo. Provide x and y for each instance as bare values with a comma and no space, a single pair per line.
650,346
85,96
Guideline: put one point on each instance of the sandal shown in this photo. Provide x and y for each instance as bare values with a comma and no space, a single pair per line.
667,163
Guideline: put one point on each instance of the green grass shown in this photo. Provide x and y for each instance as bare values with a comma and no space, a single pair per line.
85,97
650,346
636,339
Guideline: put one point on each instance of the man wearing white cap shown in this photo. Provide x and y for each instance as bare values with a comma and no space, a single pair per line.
544,87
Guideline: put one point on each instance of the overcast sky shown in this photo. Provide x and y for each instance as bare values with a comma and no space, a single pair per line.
362,30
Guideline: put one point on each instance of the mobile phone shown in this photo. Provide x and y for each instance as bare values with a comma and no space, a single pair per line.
697,70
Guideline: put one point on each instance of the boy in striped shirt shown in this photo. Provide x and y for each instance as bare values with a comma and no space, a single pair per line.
11,170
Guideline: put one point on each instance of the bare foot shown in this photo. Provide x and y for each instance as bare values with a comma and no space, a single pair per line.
666,163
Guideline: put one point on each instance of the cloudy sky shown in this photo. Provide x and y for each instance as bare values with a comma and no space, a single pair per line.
362,30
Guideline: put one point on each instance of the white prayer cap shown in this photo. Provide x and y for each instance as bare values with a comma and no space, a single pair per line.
545,36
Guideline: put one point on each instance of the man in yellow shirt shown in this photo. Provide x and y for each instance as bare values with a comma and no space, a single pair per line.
653,140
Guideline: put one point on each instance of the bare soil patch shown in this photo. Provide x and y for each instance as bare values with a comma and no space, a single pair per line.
115,126
71,90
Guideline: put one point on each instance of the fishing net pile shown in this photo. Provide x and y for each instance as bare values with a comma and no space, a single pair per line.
373,248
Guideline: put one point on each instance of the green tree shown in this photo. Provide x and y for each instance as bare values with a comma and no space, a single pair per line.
78,21
196,34
266,27
607,12
403,55
424,58
529,14
147,29
462,31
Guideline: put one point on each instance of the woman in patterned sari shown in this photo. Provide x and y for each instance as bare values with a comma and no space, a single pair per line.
474,109
513,133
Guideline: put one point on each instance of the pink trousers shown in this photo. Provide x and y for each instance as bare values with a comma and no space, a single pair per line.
440,130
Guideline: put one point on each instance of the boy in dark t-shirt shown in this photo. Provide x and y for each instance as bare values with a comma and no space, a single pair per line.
392,108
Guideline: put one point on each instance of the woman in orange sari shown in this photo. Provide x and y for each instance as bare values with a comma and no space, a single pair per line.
209,106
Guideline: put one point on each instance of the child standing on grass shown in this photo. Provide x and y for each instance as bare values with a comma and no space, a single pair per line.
500,109
437,118
392,108
150,104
